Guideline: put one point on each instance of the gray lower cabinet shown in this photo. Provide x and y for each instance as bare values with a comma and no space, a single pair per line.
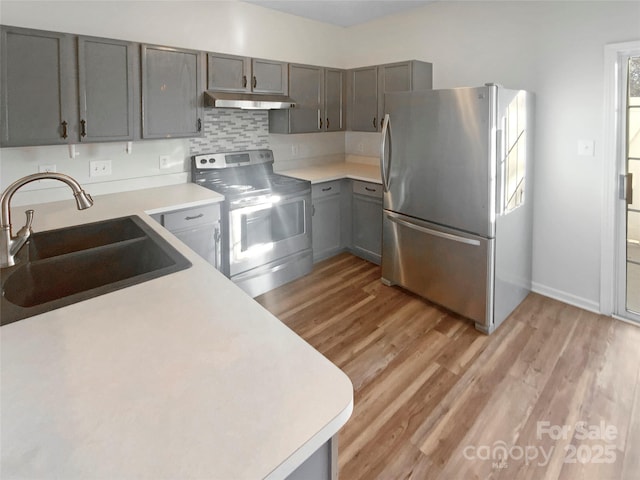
37,99
171,92
368,85
106,89
326,226
198,228
366,217
321,465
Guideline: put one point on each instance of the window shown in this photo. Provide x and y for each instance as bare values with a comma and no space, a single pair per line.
515,157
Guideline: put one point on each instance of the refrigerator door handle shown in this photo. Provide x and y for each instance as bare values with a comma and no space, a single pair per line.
626,188
383,145
435,233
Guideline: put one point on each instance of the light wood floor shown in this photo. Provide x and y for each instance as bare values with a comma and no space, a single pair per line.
435,399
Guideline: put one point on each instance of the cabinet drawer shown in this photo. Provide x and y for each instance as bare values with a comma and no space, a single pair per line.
191,217
325,189
368,189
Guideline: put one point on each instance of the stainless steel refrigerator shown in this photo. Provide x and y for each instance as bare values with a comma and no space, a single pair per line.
457,179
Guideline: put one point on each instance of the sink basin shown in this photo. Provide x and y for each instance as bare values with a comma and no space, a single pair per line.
82,237
77,263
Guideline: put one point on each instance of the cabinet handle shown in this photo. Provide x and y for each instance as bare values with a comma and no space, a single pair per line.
255,82
313,210
320,123
199,125
370,189
326,189
194,218
327,122
64,129
244,81
375,123
83,128
216,247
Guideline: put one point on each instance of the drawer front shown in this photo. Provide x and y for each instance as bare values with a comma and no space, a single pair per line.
325,189
367,188
191,217
442,265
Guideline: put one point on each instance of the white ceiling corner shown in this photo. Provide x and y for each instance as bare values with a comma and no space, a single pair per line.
342,13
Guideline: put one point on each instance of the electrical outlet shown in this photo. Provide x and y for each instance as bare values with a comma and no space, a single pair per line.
295,149
360,147
100,168
46,168
586,148
164,161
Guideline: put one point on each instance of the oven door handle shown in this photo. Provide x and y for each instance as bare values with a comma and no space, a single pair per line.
264,204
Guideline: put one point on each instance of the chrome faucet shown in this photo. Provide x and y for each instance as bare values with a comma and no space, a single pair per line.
10,245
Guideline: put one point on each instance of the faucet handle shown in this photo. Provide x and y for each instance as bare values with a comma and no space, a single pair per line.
26,230
29,213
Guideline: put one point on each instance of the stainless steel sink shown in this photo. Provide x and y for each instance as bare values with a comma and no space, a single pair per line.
65,266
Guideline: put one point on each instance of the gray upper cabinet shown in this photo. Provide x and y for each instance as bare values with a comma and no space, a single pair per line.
38,102
402,77
171,92
106,89
368,85
228,73
334,99
231,73
318,93
306,87
363,99
269,76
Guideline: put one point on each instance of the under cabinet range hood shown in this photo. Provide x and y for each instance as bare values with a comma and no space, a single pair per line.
247,101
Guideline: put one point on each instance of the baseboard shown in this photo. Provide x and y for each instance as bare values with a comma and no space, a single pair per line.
565,297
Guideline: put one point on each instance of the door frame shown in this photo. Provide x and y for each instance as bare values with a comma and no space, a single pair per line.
612,284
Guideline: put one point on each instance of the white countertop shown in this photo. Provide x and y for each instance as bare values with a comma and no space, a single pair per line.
336,171
183,376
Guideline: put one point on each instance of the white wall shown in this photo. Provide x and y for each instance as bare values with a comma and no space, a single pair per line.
554,49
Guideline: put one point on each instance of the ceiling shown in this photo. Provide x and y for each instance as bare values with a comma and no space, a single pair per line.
343,13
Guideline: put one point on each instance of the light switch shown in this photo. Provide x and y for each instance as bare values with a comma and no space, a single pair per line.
586,148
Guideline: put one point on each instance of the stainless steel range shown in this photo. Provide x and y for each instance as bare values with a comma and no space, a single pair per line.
266,218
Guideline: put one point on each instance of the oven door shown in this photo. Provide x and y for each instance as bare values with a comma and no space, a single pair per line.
269,228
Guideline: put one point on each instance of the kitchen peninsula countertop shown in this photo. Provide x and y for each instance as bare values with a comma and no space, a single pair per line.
183,376
336,171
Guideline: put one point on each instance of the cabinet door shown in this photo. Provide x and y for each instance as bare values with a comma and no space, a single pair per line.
325,233
228,73
364,99
269,77
306,87
105,76
171,93
395,77
367,221
334,99
38,90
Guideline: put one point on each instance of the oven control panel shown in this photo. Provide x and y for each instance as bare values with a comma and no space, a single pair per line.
208,161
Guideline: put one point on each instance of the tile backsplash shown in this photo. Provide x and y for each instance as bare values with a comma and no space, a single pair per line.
228,130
